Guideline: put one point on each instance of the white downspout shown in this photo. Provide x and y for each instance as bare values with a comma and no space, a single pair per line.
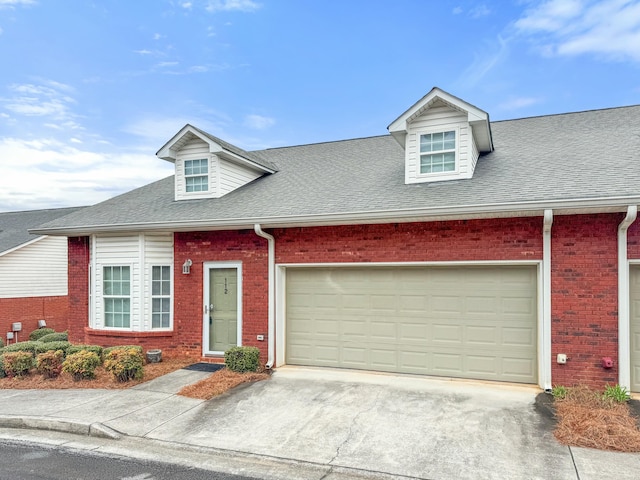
624,353
272,291
545,350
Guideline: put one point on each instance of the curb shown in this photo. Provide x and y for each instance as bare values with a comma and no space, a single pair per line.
59,425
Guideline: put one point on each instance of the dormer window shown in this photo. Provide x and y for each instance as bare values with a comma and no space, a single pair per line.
196,175
438,152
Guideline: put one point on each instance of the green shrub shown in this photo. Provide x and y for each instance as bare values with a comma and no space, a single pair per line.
17,364
616,393
55,337
125,363
2,373
39,333
108,350
1,342
49,364
97,349
242,359
52,347
28,346
81,365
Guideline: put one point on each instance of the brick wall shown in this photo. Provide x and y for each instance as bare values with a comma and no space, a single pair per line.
29,310
78,251
584,289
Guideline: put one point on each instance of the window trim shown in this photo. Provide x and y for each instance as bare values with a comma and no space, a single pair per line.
104,297
201,158
151,328
455,150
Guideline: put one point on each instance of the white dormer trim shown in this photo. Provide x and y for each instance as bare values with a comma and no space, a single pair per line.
478,119
227,167
423,131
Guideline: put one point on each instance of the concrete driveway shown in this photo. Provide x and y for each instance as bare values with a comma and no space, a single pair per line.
341,424
401,425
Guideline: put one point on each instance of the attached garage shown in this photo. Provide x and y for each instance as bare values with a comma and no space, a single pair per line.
475,322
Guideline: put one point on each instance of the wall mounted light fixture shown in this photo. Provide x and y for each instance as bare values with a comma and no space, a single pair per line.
186,266
42,323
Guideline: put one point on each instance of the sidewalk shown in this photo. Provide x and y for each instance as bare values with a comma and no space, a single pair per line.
318,423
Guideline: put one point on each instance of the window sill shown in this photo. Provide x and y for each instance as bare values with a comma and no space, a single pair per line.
126,333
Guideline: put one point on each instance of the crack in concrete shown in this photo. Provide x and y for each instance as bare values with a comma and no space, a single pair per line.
350,432
573,460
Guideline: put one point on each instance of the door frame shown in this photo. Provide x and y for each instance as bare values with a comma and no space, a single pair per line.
206,301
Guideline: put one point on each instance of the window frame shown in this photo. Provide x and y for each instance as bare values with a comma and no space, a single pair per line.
207,162
161,296
105,296
454,150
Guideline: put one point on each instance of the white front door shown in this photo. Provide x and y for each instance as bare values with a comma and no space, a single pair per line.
222,307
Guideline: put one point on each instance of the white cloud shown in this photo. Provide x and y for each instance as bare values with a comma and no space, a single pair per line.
491,55
457,10
186,5
229,5
143,52
479,11
516,103
13,3
48,99
610,28
64,175
258,122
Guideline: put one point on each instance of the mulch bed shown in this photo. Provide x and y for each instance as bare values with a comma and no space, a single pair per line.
583,419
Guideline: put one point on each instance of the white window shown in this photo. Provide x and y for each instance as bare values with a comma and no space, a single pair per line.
160,296
116,292
196,175
438,152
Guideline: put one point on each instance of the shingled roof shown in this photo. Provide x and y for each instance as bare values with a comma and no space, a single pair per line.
14,226
574,162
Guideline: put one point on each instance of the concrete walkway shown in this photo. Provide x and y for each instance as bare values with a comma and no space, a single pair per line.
320,423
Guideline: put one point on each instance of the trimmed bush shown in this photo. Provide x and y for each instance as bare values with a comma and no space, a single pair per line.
2,373
97,349
49,364
125,364
39,333
242,359
52,347
28,346
55,337
1,343
108,350
17,364
81,365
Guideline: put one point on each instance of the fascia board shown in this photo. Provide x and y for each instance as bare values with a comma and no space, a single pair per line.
497,210
232,157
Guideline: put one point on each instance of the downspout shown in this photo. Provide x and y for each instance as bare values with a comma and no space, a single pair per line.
624,353
545,362
271,291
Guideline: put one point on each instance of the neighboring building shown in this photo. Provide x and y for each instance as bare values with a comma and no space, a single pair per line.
33,273
454,247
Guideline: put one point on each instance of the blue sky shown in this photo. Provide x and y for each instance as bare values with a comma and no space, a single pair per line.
89,91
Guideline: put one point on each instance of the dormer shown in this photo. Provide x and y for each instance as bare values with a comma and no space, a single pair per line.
208,167
442,137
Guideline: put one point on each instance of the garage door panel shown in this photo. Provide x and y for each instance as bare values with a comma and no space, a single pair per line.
473,322
634,333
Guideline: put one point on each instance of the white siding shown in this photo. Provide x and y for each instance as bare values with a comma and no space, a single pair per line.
234,176
138,252
38,269
195,149
440,119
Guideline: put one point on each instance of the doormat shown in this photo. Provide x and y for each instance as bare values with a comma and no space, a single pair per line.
204,367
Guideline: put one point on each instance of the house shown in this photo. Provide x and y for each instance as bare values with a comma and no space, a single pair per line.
453,246
33,273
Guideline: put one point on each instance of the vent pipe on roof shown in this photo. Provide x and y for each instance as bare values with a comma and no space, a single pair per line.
624,331
272,292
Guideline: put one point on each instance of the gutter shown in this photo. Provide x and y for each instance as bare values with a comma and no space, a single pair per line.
271,242
545,360
624,329
421,214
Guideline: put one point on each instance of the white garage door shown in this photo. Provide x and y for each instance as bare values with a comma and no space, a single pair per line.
634,294
469,322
